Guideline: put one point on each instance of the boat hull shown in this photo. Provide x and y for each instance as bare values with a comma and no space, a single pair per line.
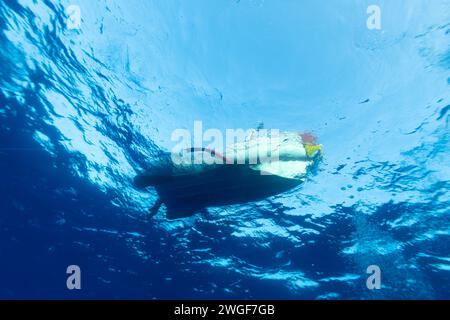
187,194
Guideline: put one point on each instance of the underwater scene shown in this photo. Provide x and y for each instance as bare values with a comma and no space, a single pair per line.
226,149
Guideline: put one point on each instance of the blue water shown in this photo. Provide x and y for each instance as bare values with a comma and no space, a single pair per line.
82,109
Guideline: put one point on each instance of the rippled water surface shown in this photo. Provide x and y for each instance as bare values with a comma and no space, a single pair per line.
82,109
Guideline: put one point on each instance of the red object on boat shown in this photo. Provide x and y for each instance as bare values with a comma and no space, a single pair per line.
308,137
